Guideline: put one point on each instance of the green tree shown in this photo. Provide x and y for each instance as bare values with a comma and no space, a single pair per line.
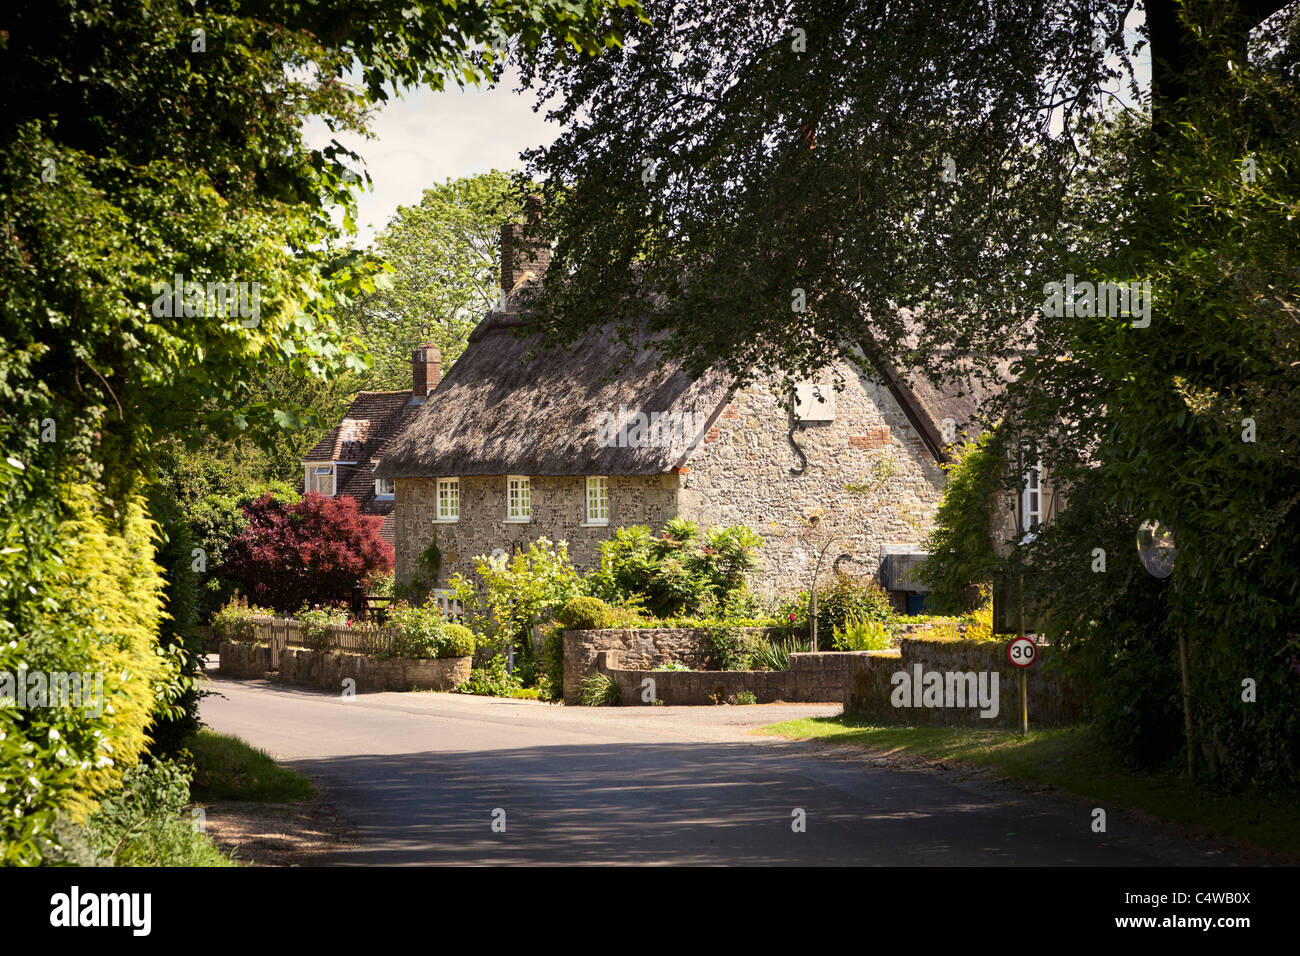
142,141
443,254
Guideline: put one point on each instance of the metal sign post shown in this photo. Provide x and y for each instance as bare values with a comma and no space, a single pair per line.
1022,652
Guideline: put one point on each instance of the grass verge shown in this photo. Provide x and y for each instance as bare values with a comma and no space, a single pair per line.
226,768
1069,758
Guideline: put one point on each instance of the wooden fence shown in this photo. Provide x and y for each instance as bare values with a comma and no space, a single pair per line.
363,637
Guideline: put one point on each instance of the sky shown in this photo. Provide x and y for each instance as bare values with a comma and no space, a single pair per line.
429,136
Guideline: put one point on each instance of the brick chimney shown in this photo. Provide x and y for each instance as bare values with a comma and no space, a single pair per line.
426,370
524,248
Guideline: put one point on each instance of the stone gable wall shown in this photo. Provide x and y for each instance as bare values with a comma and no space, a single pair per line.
741,474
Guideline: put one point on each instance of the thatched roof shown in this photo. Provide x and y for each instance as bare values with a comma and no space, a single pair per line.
500,410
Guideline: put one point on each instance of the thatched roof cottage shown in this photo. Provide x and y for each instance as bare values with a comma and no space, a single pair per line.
513,446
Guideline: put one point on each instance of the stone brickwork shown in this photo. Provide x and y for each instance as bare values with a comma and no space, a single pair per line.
744,476
244,660
641,647
328,669
812,678
559,510
1054,699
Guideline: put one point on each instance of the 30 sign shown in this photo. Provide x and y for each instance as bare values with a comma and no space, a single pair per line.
1022,652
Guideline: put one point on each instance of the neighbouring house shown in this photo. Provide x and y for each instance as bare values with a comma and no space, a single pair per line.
343,461
571,443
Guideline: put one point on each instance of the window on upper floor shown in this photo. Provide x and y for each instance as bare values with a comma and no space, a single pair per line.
448,499
1031,493
385,487
320,479
597,500
519,505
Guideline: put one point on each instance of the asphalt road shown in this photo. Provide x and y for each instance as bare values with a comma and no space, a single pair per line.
422,776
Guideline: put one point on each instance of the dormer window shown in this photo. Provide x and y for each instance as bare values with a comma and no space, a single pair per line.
385,488
321,479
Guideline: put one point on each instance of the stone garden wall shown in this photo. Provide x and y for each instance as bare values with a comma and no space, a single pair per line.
328,669
642,648
244,660
1054,699
812,678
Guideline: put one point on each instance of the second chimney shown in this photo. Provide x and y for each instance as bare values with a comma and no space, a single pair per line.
426,370
524,247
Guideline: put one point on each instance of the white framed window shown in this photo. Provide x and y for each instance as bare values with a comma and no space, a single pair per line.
448,499
519,505
1031,498
597,500
320,479
385,487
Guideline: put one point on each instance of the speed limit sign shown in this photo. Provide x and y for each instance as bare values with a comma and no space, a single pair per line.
1022,652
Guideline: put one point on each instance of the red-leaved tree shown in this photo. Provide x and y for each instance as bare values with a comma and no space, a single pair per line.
310,552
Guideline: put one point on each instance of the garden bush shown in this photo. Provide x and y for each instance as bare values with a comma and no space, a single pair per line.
843,596
311,552
235,622
145,823
420,633
600,690
314,625
860,634
677,571
491,680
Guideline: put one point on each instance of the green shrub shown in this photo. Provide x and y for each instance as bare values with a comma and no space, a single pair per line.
553,663
600,690
860,634
744,698
672,666
775,655
585,613
842,597
677,571
235,621
457,641
314,624
420,633
146,822
491,680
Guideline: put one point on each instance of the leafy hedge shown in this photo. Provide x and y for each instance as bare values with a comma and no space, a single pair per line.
421,633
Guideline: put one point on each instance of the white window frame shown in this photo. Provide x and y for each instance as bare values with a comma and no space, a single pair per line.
599,483
382,495
314,471
524,499
1031,518
452,486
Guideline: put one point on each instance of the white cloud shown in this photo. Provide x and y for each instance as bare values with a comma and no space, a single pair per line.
429,136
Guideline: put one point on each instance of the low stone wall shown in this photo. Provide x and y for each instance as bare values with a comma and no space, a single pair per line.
244,660
812,678
641,648
1054,698
329,669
